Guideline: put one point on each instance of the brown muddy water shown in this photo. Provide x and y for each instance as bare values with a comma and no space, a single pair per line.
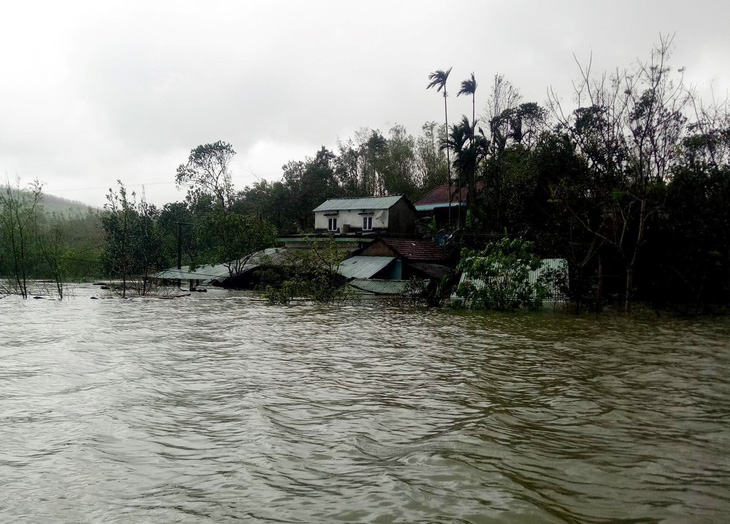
218,408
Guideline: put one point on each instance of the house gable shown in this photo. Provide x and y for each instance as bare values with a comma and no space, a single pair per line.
394,215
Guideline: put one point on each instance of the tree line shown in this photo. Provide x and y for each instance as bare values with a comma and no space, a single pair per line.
630,183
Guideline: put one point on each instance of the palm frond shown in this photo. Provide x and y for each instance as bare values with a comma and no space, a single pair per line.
468,86
438,79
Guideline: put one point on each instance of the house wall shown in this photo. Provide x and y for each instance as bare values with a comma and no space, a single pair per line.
402,218
353,218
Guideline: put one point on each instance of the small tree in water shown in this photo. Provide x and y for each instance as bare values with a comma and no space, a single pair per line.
133,244
313,274
498,277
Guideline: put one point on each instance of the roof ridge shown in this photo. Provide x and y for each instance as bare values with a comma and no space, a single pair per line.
363,198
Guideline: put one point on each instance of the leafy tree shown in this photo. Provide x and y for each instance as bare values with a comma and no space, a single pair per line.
309,183
207,172
18,217
430,158
499,277
237,238
133,246
313,274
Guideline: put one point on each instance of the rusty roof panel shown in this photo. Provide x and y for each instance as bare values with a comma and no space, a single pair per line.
415,249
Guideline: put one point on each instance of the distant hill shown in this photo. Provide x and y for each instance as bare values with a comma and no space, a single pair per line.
64,207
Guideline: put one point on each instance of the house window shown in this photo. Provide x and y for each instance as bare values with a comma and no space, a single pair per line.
332,224
367,223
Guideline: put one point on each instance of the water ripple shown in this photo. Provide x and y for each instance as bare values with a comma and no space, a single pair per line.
219,407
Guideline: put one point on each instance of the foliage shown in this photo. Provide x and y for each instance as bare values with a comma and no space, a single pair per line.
18,239
133,244
312,274
429,293
498,277
237,238
207,172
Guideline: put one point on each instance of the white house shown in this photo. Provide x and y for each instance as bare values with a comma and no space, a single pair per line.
393,214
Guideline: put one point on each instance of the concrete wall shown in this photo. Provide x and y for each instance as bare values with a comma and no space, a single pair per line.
353,218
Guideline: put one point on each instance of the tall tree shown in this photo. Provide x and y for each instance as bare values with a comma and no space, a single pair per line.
438,80
469,87
207,172
430,160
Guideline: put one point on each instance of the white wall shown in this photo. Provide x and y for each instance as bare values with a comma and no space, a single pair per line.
351,217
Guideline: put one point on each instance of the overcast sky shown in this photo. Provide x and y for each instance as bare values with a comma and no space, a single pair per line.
92,92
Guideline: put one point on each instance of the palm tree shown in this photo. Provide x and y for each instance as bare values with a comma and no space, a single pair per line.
470,149
438,80
469,87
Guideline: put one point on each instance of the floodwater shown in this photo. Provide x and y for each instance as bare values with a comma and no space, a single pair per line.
218,407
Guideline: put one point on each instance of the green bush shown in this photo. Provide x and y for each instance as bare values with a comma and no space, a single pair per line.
498,277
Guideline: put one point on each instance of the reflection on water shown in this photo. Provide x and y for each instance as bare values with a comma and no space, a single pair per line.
219,407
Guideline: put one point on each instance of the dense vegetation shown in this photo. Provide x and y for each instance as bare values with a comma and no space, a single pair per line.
631,185
57,245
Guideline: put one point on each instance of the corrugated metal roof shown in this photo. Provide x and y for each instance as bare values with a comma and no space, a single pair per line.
431,207
337,204
217,272
439,197
380,287
272,255
415,248
363,267
433,270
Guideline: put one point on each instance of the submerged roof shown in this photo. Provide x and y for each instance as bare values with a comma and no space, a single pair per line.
380,287
433,270
217,272
363,267
338,204
272,255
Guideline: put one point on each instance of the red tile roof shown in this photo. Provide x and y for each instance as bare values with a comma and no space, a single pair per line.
440,195
415,249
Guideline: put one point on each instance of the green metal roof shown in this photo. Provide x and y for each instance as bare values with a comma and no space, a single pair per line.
349,204
363,267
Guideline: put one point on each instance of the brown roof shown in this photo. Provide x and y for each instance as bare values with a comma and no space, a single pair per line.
415,249
440,195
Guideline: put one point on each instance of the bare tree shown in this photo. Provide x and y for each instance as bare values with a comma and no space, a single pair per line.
18,210
628,127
